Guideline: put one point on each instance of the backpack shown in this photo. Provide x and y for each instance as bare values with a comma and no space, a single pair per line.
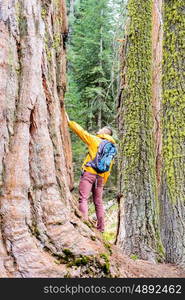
105,154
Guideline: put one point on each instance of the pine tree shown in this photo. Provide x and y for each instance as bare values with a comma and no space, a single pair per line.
173,126
138,232
90,60
93,67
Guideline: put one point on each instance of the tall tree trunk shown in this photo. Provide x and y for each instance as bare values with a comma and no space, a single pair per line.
39,225
71,19
101,69
138,232
71,8
173,120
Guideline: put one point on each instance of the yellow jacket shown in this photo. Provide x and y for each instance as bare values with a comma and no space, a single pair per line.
92,142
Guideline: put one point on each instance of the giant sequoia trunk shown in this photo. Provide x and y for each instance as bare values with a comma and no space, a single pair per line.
39,230
138,231
173,119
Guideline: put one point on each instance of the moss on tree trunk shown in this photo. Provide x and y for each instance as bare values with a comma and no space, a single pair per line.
173,124
139,208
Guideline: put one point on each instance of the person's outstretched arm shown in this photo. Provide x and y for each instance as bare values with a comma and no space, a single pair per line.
85,136
67,117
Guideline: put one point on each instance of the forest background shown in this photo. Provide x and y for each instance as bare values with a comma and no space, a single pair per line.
119,64
96,36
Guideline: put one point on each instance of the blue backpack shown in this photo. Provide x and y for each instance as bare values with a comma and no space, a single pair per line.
105,154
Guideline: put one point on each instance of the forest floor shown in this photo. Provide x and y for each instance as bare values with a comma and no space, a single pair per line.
145,269
132,266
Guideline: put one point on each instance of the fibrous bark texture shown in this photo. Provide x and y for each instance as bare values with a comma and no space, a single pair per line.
39,231
173,120
157,39
138,232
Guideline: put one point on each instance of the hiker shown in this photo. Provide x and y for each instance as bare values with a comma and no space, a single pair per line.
95,169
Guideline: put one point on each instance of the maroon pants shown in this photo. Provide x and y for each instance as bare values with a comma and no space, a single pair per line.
91,182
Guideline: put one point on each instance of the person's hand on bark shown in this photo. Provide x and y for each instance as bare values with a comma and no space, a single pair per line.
67,117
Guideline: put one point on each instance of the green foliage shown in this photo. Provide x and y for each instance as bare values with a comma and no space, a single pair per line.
67,252
93,66
137,149
109,236
43,13
90,56
93,238
137,96
134,256
82,261
88,224
74,105
68,255
107,245
106,265
137,113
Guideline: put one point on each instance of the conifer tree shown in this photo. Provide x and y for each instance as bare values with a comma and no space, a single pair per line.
173,127
90,62
138,232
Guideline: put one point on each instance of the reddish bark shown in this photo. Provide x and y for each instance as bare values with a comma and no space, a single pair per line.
41,230
37,209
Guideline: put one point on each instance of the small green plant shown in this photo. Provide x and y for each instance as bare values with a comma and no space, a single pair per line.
68,252
107,245
56,41
134,256
67,275
108,236
43,13
57,262
106,265
88,224
83,260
